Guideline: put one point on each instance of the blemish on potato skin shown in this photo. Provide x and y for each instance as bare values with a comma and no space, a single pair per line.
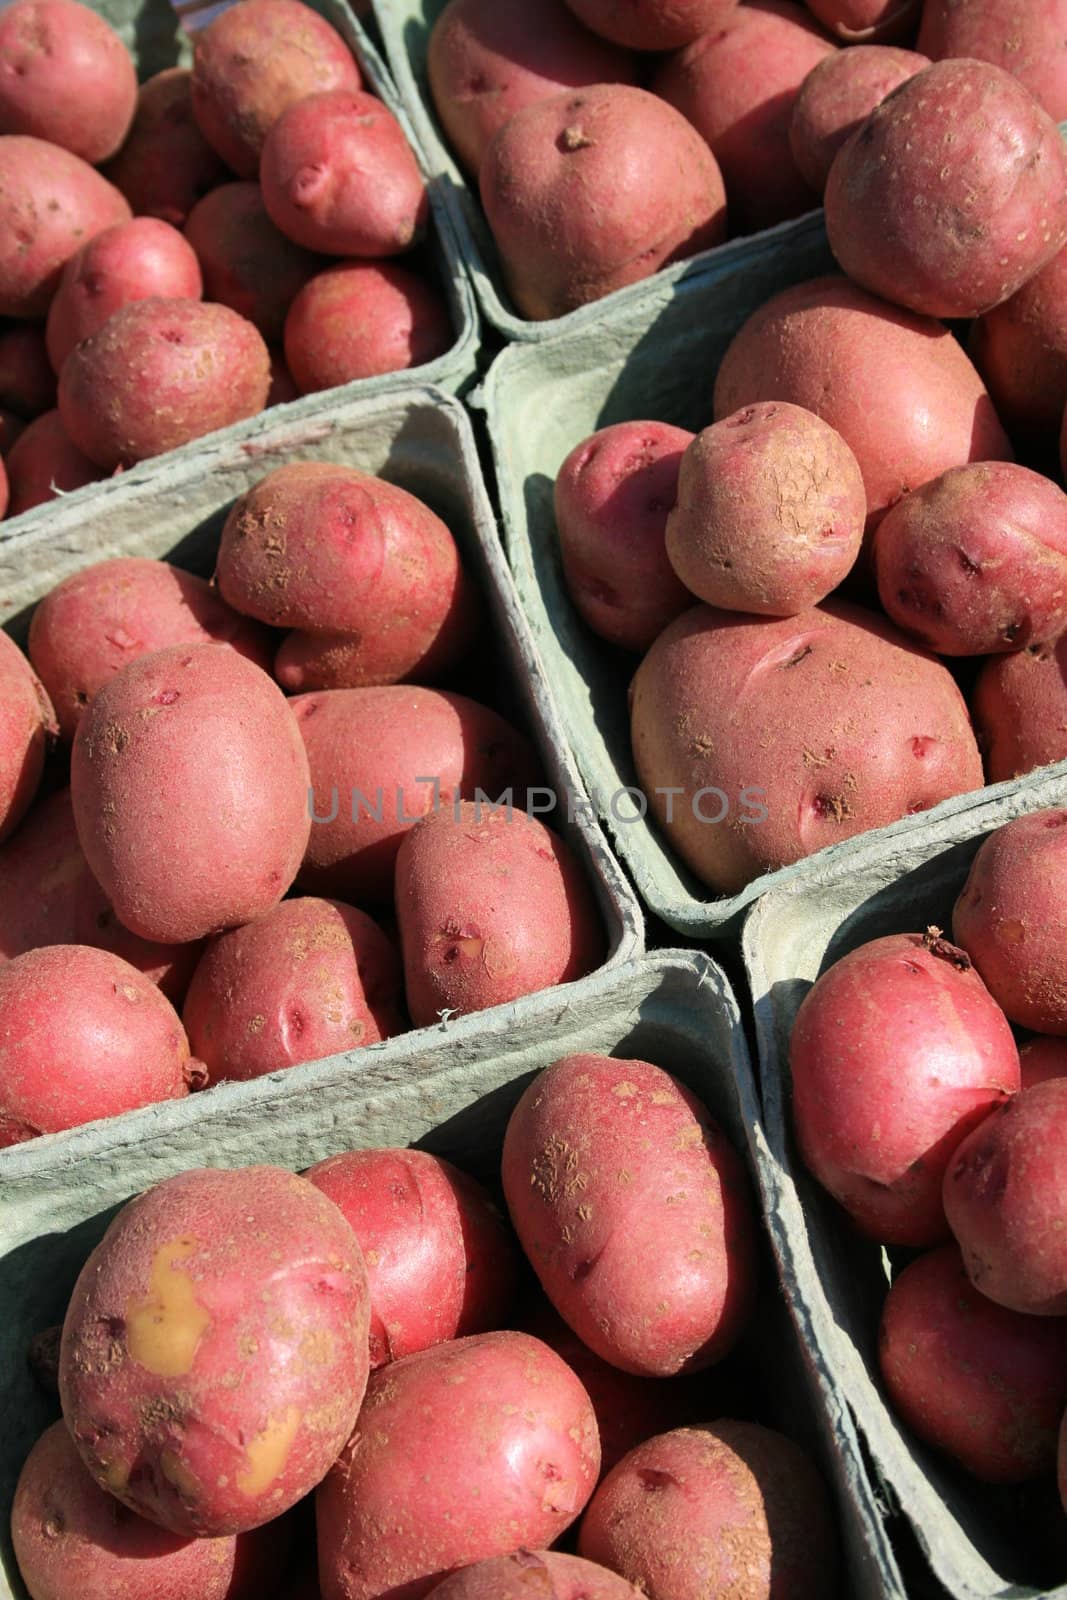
164,1328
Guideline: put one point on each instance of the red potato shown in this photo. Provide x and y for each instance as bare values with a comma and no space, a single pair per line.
48,896
501,1439
98,620
83,1035
159,374
837,96
27,721
490,908
1028,38
985,1385
190,788
309,979
362,319
588,192
254,61
866,21
11,429
247,263
1020,348
1042,1058
74,1541
758,741
339,176
967,143
555,1576
1004,1201
51,202
655,1271
730,1508
365,574
27,382
770,511
737,85
44,462
612,498
282,387
166,165
1011,918
380,759
441,1263
65,76
652,24
828,346
897,1052
488,59
214,1353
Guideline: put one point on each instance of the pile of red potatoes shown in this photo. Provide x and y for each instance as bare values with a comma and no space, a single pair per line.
368,1381
178,256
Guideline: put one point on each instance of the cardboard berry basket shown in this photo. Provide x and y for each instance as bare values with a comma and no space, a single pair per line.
982,1543
449,1090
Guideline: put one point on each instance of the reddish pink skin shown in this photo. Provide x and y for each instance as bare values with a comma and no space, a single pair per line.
737,85
969,141
558,1577
173,869
684,1214
26,721
612,498
362,319
262,1279
44,462
247,263
867,21
65,76
500,1438
339,176
48,896
310,979
1004,1201
1020,348
1028,38
1042,1058
84,1036
837,96
651,24
27,382
159,374
985,1385
254,61
488,59
588,192
97,621
1010,918
397,741
975,562
136,260
166,165
828,346
71,1538
367,575
11,429
897,1053
441,1262
59,202
489,910
1063,445
726,1509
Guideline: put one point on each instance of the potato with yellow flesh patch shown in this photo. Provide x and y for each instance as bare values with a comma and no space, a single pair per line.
215,1351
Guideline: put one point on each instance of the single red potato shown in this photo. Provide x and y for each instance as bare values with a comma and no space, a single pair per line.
867,21
612,498
1011,918
985,1385
557,1576
1020,348
214,1353
1041,1058
11,429
247,263
897,1052
652,24
657,1273
501,1439
309,979
1028,38
44,462
362,319
97,621
26,722
770,511
340,177
190,787
837,96
83,1035
27,382
166,165
65,76
1004,1201
441,1263
74,1541
730,1508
